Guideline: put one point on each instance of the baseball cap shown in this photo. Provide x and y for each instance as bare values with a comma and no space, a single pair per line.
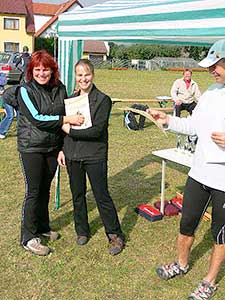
216,52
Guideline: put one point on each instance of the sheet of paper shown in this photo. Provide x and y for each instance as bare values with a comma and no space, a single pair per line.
79,105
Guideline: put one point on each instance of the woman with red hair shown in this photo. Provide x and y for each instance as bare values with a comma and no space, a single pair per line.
39,139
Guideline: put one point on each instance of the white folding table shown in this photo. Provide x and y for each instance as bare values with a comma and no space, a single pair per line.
174,155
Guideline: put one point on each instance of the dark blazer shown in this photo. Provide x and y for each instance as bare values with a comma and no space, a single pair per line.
91,144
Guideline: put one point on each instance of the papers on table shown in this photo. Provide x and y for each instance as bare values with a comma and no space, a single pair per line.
163,98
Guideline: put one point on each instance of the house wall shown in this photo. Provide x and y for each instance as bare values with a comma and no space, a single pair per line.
94,56
40,20
15,36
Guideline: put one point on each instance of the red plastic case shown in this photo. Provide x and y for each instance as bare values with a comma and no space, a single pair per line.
150,213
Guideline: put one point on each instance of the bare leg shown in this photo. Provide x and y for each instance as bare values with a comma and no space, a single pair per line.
184,244
216,260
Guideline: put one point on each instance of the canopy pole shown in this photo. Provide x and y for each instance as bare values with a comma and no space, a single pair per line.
69,53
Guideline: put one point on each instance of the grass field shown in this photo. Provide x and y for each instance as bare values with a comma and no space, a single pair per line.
90,273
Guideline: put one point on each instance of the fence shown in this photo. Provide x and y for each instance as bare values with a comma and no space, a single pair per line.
153,64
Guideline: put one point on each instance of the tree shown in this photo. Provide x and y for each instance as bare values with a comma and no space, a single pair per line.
197,53
143,51
45,43
146,51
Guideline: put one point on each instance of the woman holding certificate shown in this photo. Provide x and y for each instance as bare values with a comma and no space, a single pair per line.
40,102
206,180
85,151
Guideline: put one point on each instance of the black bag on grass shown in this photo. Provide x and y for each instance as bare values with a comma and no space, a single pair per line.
130,120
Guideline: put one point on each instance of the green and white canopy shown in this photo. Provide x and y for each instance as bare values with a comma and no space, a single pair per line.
187,22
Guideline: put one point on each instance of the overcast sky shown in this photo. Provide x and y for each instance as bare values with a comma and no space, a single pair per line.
83,2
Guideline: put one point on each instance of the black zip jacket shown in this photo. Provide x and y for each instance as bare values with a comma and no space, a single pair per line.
41,111
91,144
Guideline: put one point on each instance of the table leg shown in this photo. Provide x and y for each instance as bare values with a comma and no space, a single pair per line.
163,186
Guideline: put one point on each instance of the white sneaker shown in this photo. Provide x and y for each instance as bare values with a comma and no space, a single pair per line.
34,245
52,235
2,136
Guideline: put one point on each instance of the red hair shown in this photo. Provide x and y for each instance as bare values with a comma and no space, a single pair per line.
43,58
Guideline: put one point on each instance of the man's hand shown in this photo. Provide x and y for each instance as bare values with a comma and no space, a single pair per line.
219,138
178,102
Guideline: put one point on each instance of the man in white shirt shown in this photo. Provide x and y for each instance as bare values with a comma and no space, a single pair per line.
185,93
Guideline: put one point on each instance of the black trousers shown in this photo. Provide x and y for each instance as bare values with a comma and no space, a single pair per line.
38,170
184,106
97,175
197,197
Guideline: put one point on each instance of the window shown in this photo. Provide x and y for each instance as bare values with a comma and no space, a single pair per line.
11,23
11,47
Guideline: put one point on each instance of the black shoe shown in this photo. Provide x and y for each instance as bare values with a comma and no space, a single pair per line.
82,240
116,244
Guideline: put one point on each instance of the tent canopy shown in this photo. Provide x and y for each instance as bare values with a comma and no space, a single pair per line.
183,22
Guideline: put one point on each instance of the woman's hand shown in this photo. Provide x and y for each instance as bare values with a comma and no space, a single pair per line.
61,159
74,120
158,116
219,138
66,128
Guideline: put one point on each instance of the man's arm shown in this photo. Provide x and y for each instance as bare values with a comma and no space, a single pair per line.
174,93
18,61
197,92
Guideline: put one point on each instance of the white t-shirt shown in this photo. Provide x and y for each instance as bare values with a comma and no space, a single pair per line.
208,165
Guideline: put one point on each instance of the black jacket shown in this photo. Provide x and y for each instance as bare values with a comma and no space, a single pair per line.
40,117
91,144
23,61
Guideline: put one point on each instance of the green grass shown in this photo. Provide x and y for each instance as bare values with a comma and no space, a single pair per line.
89,273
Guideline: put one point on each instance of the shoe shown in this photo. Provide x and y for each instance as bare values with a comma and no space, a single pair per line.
169,271
2,136
34,245
204,291
52,235
116,244
82,240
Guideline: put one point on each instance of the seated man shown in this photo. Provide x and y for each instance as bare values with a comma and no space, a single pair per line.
184,93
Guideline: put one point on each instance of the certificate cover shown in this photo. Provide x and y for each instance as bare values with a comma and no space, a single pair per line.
79,105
